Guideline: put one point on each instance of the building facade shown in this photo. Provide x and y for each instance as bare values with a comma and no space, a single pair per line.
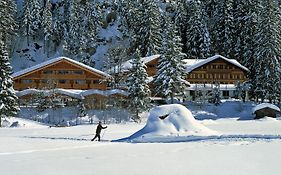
63,73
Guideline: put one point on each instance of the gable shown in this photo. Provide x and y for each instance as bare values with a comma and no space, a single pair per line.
58,63
219,64
195,64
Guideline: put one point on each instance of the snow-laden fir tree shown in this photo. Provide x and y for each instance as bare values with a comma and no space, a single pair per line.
27,21
222,28
148,35
267,50
113,64
228,32
197,34
59,33
246,14
89,30
170,79
36,19
82,112
216,94
72,41
8,99
47,25
138,88
8,24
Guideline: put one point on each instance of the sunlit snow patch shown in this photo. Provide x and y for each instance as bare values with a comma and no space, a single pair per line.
170,123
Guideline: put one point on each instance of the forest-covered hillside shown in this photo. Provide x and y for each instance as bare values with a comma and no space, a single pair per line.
104,33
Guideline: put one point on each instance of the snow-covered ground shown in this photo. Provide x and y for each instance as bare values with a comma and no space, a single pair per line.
246,147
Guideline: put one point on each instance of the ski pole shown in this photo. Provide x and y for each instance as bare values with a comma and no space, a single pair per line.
103,134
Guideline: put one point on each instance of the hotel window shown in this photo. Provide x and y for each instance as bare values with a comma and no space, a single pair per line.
80,72
26,81
96,81
220,66
43,81
62,81
47,72
214,66
80,81
63,72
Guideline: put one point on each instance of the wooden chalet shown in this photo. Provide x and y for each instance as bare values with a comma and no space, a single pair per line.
216,69
60,72
203,74
150,62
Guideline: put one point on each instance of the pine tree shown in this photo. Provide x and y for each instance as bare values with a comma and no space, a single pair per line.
72,42
216,94
89,30
8,99
59,26
137,87
171,72
47,25
82,110
8,25
148,35
27,20
267,51
35,12
197,34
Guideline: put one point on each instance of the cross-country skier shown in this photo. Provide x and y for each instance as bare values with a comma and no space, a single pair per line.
98,130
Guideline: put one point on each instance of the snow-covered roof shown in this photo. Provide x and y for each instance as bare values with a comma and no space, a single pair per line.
192,64
128,65
69,92
46,63
223,87
266,105
79,94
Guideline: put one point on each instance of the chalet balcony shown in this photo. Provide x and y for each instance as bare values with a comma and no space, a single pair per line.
63,76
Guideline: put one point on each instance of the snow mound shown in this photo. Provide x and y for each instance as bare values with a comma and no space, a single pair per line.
14,122
169,122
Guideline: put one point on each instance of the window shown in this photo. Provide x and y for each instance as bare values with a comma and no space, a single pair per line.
26,81
80,81
80,72
220,66
47,72
62,81
96,81
63,72
225,93
43,81
214,66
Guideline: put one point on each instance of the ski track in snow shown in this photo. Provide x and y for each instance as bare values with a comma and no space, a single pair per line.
102,143
222,138
50,149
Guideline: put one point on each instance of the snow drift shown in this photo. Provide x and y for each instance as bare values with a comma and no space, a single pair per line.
168,123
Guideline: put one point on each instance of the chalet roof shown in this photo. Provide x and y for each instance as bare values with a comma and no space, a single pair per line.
266,105
192,64
54,60
128,65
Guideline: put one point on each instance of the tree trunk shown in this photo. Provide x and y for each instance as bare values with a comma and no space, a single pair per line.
172,98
